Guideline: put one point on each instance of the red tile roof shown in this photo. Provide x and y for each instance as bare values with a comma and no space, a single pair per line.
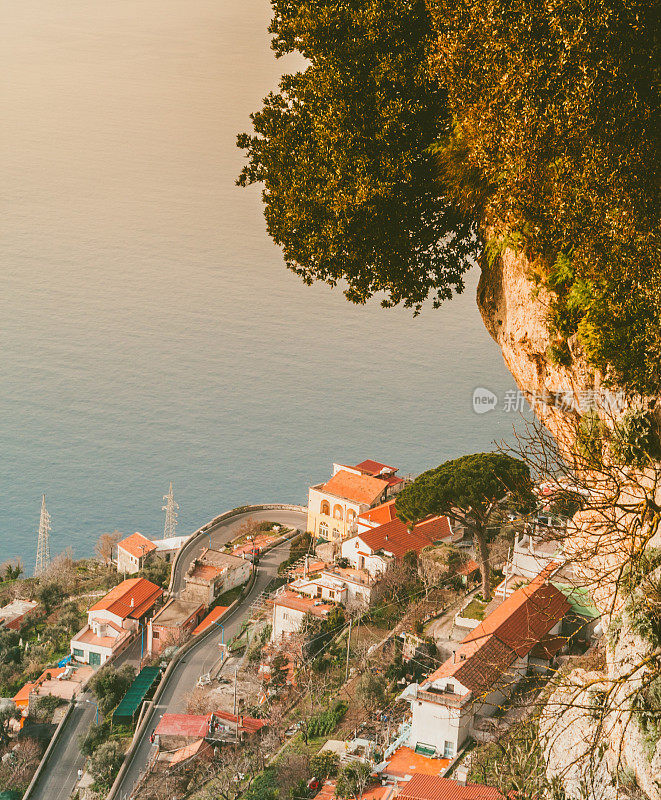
247,724
405,761
130,599
510,631
189,725
380,514
327,792
373,467
432,787
307,605
358,488
394,537
137,545
214,615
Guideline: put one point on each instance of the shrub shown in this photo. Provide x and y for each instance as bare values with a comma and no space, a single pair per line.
105,762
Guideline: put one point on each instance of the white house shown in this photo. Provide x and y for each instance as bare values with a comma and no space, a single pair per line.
482,672
532,553
133,552
112,619
334,506
374,548
290,609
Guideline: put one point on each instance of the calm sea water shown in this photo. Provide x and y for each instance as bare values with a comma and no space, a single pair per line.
149,329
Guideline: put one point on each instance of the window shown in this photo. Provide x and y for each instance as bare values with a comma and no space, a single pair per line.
155,635
448,750
95,659
78,653
336,533
449,688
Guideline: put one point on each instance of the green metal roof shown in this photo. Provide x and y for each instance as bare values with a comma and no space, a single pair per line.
579,597
135,694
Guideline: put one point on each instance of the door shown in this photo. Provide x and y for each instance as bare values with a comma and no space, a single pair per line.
95,659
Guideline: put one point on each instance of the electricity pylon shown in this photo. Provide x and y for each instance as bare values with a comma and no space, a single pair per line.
43,543
170,509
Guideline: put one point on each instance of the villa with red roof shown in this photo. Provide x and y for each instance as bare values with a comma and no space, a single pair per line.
111,620
290,609
374,548
133,552
485,668
333,506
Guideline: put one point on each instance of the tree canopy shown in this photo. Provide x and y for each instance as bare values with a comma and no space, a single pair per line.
350,189
468,490
419,131
555,147
466,487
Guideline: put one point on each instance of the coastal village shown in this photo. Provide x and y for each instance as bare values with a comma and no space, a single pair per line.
368,663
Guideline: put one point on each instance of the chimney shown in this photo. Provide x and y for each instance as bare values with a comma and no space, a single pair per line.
454,656
132,603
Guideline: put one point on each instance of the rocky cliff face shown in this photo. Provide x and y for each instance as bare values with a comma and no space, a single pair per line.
598,756
516,317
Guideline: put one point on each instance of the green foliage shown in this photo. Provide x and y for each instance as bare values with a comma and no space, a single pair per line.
104,763
648,713
555,110
319,633
49,594
297,550
111,684
326,721
264,787
636,439
157,570
471,483
371,691
353,780
324,765
591,436
350,192
97,735
46,705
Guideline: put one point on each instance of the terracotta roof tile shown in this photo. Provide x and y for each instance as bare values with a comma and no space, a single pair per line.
394,537
142,592
512,630
432,787
196,725
137,545
307,605
248,724
386,512
358,488
405,761
373,467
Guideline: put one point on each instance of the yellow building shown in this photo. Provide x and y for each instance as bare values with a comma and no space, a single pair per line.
333,506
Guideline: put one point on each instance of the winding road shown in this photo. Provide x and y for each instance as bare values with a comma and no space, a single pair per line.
197,661
59,776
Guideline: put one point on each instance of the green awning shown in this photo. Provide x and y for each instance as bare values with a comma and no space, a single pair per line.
141,687
579,597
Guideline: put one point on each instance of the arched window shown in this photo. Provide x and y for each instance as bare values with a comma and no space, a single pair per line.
323,530
337,512
336,533
325,507
351,516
